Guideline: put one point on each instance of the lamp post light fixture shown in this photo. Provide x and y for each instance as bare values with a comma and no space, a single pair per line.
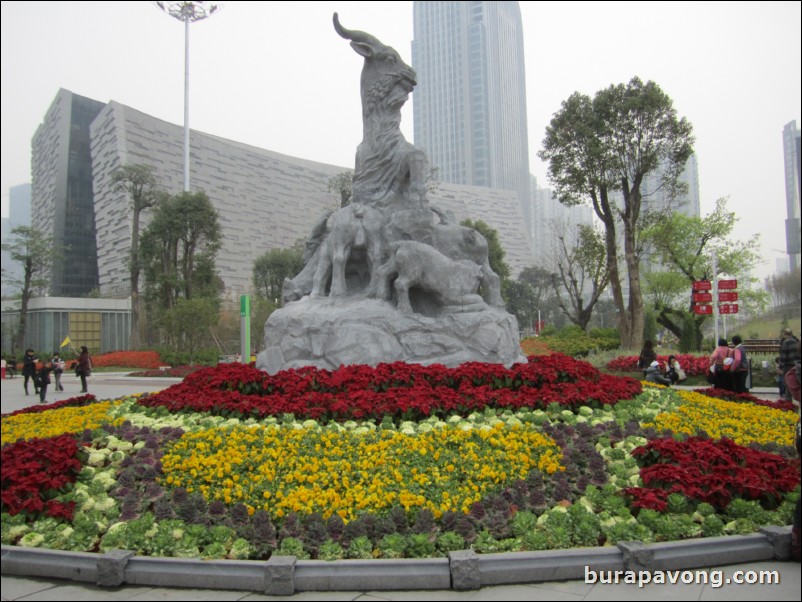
188,12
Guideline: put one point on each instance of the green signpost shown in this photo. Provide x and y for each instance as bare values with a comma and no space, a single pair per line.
245,328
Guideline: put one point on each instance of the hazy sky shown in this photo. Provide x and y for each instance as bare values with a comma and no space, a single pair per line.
277,76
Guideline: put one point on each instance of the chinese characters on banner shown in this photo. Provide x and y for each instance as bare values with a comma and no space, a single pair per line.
702,299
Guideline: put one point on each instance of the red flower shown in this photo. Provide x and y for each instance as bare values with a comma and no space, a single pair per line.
408,391
710,471
33,472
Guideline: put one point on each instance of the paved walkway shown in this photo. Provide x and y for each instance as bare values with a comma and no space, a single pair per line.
786,586
103,385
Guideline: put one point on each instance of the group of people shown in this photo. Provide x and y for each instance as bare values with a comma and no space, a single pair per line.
729,366
40,375
647,361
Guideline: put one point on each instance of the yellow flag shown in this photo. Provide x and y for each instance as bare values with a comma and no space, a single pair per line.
65,342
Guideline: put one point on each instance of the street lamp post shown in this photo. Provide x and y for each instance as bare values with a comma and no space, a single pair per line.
188,12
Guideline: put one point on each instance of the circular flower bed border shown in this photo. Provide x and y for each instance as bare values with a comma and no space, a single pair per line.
124,480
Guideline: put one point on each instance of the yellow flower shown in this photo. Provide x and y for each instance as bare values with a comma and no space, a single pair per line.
347,473
741,422
52,423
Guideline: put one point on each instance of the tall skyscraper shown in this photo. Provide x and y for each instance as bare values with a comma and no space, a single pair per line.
62,200
791,154
470,102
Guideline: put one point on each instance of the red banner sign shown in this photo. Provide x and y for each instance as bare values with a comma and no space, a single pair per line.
703,310
702,285
728,308
702,297
728,297
724,285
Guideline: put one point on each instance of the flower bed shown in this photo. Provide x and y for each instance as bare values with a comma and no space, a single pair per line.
128,359
65,419
34,471
742,422
693,365
444,468
780,404
710,471
398,390
396,461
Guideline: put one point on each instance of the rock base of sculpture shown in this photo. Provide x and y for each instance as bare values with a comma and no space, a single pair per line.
327,333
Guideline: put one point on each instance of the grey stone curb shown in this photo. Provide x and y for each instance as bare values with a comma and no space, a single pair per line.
696,553
401,574
548,565
189,572
53,564
283,575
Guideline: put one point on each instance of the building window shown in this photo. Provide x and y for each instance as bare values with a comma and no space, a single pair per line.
85,330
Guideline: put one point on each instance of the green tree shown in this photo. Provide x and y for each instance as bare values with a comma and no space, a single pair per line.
582,273
35,253
261,309
272,267
684,246
785,289
495,251
343,185
139,182
530,295
601,149
178,250
189,323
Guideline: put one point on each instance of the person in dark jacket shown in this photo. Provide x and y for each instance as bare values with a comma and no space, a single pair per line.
84,368
58,370
43,378
647,356
653,375
29,370
740,371
789,354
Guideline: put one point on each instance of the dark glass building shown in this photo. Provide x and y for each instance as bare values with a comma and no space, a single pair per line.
62,201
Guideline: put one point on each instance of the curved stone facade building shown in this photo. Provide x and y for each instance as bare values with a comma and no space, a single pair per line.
265,200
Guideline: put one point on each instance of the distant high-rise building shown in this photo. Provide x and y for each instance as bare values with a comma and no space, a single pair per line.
687,203
548,219
61,195
19,214
791,154
19,205
470,102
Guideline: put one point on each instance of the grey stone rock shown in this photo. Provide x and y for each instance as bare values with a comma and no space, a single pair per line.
328,333
464,565
111,567
279,576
